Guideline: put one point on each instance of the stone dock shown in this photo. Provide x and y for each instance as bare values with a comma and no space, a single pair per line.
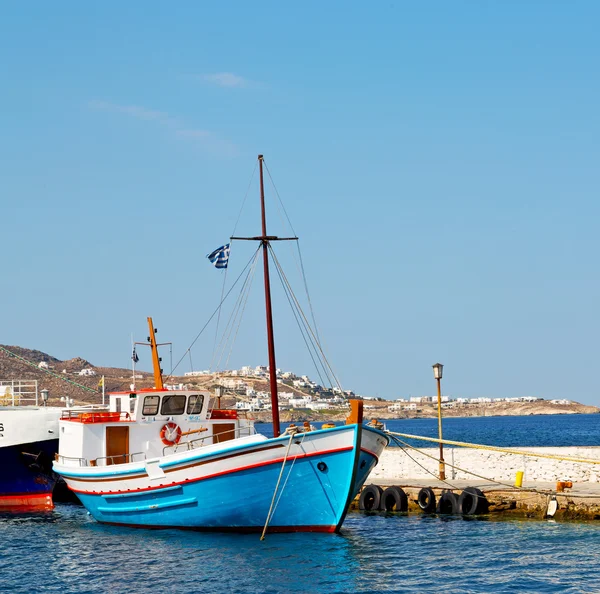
494,473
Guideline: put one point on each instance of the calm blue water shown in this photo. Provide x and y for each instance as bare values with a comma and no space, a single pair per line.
66,551
534,430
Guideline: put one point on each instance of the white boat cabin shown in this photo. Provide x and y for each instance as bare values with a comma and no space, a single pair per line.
147,424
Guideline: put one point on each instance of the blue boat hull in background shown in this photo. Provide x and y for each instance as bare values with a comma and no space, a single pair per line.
27,480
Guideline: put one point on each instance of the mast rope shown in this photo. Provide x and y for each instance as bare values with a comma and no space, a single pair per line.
237,314
271,510
213,314
301,327
56,375
299,262
316,342
215,348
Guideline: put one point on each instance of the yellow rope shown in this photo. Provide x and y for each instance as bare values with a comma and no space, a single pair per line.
478,446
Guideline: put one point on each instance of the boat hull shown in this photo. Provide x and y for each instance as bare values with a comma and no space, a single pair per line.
27,480
315,476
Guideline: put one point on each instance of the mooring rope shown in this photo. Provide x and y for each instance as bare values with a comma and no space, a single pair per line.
490,480
494,481
269,515
478,446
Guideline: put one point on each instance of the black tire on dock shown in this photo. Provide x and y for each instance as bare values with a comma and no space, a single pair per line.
394,499
448,503
370,498
472,502
426,500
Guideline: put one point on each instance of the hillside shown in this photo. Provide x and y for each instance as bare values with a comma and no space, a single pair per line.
62,379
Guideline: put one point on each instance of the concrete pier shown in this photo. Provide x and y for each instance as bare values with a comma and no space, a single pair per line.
580,502
496,466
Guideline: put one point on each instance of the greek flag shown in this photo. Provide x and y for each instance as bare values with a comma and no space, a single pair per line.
220,256
134,356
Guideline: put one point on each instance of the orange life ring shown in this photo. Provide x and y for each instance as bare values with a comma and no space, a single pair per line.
170,434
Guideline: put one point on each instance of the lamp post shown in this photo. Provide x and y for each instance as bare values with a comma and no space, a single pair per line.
437,374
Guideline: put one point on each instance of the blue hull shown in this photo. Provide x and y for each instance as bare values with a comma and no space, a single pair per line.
27,479
314,495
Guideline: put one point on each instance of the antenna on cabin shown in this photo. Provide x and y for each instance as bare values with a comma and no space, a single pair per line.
158,381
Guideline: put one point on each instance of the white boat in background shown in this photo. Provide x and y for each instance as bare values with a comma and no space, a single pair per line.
28,444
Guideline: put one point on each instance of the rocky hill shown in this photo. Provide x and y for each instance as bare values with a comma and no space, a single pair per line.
62,379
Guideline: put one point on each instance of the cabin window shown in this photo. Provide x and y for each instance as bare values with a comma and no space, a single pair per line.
173,405
150,406
195,404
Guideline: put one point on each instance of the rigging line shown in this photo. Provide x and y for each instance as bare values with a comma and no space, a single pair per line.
237,312
215,312
225,277
301,266
279,197
314,341
241,314
191,364
219,347
289,473
312,313
56,375
230,323
310,329
302,331
218,320
245,198
262,537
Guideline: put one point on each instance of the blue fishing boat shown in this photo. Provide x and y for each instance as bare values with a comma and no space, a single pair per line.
163,458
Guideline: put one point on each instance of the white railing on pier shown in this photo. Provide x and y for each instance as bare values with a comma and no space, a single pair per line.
18,392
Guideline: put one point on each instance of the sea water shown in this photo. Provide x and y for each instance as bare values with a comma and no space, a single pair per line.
66,551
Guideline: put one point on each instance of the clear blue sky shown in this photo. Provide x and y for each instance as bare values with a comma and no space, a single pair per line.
439,160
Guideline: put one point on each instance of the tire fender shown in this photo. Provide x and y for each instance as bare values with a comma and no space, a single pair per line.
370,498
472,502
426,500
394,499
448,503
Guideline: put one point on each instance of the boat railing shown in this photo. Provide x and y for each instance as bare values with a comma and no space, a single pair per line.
199,441
68,460
102,461
94,416
18,392
118,459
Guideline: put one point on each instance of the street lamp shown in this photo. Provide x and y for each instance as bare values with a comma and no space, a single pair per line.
437,374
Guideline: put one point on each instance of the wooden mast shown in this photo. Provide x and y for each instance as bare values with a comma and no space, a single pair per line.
158,382
269,310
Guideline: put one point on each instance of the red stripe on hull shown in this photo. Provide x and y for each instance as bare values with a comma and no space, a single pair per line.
238,529
209,476
370,452
26,501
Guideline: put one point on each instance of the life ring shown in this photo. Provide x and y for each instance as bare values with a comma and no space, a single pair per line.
170,434
370,498
394,499
426,500
472,502
448,503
